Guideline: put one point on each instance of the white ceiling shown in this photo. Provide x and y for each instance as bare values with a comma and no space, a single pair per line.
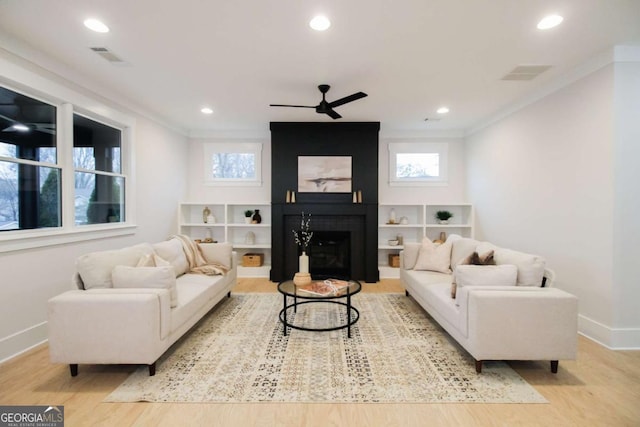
409,56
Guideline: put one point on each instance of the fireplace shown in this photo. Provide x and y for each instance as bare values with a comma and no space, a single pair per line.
346,240
330,254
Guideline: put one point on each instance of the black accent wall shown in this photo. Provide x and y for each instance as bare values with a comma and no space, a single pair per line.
356,139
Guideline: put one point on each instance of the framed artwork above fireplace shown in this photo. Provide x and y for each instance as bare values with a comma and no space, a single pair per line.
324,174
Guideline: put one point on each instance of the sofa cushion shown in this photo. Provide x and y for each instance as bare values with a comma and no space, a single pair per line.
530,267
95,268
171,251
434,257
146,277
217,253
486,275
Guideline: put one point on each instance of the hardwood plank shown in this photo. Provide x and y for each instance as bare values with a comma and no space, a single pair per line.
602,387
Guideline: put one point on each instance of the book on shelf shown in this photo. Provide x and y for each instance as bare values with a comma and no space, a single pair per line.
324,288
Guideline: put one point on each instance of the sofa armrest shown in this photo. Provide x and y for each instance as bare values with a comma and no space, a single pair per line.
108,325
522,323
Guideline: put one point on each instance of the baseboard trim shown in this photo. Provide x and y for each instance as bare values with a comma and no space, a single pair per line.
611,338
22,341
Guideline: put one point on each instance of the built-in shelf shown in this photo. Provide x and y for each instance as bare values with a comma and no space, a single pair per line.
230,226
413,222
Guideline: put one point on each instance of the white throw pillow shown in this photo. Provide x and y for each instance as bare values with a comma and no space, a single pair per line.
434,257
146,277
486,275
171,251
530,267
218,253
95,268
410,254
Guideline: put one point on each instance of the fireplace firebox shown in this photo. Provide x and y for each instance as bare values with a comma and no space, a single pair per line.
330,254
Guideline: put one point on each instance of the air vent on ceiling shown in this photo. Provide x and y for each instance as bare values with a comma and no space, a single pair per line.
107,54
526,72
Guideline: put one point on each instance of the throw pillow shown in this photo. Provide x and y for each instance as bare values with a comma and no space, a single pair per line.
486,275
217,253
473,259
95,268
434,257
171,251
530,267
146,277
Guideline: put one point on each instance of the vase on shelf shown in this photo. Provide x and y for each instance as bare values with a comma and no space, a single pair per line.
303,263
256,219
206,213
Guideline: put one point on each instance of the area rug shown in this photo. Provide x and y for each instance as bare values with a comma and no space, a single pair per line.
396,353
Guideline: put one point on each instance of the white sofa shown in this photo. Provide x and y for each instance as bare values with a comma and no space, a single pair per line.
525,319
131,304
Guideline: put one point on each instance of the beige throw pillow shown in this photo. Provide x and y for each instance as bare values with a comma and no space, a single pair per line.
434,257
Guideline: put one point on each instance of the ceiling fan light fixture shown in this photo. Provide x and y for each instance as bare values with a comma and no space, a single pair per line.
206,110
549,22
442,110
320,23
20,127
96,25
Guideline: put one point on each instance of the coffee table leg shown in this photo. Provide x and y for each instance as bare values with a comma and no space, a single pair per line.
348,315
284,316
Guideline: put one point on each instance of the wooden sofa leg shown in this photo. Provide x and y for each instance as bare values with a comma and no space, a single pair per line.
479,366
74,369
229,294
406,293
152,369
554,366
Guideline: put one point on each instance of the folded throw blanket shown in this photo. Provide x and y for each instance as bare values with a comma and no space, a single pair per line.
197,263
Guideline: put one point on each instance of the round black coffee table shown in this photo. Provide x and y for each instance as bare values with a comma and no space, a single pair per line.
289,290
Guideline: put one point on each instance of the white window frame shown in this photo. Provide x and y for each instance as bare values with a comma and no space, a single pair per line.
211,148
67,101
440,148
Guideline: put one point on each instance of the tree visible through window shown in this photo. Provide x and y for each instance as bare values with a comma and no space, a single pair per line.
233,163
418,163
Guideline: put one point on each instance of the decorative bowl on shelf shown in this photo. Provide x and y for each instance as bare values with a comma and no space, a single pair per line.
393,242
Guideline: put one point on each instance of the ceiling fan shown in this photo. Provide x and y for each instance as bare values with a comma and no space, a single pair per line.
327,107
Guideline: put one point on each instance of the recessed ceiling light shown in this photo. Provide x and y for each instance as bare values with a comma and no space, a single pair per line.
549,22
206,110
320,23
443,110
95,25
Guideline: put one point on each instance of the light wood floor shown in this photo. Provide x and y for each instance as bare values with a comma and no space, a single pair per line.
600,388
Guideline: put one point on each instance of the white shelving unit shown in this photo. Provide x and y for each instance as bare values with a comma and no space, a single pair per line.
230,226
420,222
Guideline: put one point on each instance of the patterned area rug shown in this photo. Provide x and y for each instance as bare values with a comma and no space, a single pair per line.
397,353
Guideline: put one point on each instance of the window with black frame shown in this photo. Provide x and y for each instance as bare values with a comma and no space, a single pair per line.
99,182
30,177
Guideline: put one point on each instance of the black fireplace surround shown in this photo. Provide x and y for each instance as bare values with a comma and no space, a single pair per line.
330,212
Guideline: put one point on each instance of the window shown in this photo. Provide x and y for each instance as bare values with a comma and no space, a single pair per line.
30,178
418,163
64,166
99,185
233,163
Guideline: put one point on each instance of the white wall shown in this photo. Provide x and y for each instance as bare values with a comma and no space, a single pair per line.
626,251
548,179
31,277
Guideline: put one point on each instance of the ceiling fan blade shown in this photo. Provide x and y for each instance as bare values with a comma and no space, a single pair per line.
333,114
346,99
295,106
